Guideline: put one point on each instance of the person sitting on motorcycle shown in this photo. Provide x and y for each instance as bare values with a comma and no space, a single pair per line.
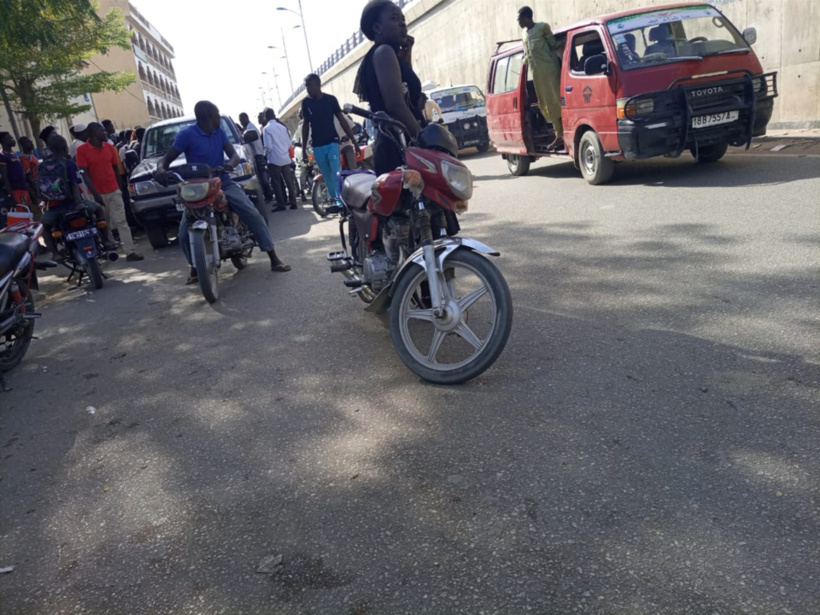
206,143
59,181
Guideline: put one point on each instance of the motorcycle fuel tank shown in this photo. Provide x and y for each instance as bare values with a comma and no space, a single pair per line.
386,193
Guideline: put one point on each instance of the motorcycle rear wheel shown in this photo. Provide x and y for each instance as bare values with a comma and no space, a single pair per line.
206,269
487,306
92,268
14,344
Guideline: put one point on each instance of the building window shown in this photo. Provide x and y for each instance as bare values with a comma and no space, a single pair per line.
142,73
151,110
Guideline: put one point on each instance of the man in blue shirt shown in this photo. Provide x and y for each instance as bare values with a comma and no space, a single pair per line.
206,143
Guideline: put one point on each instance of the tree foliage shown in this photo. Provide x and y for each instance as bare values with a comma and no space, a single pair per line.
44,47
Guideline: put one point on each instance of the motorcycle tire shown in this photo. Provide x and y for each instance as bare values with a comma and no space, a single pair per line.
320,197
240,262
91,268
406,292
20,341
206,271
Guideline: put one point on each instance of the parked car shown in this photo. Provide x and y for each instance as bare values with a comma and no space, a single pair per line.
155,206
464,113
636,84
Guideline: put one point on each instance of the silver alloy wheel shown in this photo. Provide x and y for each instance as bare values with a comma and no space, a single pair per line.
588,158
455,322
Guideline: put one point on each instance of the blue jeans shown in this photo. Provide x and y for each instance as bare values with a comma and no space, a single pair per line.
327,157
246,211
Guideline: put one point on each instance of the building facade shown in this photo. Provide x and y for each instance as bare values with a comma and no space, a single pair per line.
155,94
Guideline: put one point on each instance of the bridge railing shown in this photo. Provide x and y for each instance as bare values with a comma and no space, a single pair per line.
356,39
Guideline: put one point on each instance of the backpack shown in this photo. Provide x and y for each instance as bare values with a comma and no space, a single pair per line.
53,180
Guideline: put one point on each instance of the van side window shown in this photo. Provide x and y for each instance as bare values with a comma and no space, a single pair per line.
584,46
514,72
500,77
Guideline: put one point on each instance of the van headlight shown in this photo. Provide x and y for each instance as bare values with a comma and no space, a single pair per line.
243,169
144,188
459,178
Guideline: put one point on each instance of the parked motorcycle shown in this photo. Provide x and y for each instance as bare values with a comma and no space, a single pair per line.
19,244
305,172
320,195
450,308
80,245
216,233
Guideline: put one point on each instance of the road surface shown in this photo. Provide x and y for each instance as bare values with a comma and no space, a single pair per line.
647,443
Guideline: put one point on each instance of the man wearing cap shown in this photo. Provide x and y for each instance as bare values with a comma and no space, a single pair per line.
543,56
78,131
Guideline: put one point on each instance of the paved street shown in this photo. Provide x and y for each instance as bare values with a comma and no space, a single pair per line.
647,443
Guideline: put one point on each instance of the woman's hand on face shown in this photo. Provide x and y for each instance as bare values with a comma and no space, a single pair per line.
407,48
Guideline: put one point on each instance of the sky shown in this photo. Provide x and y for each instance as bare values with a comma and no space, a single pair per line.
222,52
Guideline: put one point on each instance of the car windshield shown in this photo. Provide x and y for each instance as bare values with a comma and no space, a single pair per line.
159,139
685,33
459,99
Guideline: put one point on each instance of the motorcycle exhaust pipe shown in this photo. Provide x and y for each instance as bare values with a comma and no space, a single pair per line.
113,257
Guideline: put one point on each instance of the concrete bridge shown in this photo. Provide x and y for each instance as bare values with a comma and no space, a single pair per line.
455,39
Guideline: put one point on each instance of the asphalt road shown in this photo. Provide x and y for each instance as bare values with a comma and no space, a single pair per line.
647,443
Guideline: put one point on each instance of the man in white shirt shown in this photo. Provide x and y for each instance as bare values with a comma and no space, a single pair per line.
277,149
259,156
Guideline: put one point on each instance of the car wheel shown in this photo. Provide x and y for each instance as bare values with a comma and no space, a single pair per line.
595,166
518,165
157,236
710,153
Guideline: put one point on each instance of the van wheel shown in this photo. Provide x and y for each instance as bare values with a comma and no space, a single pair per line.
595,166
710,153
518,165
483,147
157,236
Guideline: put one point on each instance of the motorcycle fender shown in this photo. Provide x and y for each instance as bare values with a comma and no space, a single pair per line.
444,247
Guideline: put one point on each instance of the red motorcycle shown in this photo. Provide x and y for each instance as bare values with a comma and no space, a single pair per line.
19,244
450,308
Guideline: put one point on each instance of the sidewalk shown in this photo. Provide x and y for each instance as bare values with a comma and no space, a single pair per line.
794,142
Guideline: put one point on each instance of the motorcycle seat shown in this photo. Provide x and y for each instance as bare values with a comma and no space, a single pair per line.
13,247
357,189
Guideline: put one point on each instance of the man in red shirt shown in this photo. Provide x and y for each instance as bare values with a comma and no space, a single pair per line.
100,164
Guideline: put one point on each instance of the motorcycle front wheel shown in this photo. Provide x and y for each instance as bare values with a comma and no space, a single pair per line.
473,332
14,344
320,197
206,269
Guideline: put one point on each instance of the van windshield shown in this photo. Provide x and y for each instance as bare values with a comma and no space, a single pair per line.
684,33
159,139
459,99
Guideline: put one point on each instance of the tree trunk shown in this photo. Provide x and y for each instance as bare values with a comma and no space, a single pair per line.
35,121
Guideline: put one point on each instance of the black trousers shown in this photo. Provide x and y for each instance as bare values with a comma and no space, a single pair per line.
281,176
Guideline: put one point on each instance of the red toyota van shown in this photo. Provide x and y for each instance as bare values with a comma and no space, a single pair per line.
636,84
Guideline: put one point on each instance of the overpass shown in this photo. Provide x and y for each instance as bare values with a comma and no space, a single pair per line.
455,39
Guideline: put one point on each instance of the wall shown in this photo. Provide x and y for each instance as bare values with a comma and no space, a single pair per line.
455,39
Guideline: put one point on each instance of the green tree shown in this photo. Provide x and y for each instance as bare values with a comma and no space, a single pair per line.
44,47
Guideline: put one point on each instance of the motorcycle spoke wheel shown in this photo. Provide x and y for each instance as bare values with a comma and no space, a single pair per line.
474,330
14,344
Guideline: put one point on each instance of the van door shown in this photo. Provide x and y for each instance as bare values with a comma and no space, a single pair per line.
504,108
589,100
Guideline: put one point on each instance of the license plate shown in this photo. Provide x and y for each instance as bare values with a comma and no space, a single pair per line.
79,235
703,121
180,206
473,142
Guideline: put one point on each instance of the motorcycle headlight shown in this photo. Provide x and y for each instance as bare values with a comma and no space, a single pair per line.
144,188
459,178
194,192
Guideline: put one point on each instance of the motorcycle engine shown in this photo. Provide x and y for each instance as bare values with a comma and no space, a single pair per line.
376,270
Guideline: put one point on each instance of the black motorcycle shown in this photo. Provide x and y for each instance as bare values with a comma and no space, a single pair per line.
80,245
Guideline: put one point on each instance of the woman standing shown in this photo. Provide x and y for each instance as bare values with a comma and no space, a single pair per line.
386,79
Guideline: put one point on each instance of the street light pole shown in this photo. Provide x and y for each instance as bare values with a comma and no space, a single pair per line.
304,30
287,59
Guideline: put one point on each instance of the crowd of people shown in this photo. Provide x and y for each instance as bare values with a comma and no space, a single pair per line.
91,170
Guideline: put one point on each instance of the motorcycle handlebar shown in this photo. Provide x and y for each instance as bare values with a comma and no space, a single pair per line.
378,118
358,111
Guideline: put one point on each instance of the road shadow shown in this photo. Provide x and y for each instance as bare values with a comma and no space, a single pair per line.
608,463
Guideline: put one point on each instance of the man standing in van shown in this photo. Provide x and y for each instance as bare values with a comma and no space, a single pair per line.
543,55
